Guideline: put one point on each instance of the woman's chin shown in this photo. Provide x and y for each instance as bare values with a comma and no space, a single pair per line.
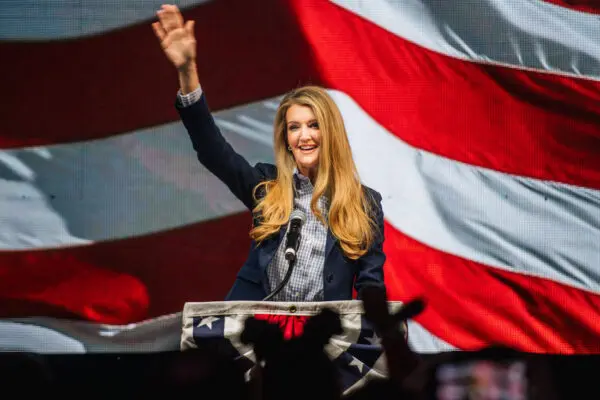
308,161
307,166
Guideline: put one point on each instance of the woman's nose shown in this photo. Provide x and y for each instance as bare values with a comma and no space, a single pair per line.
304,132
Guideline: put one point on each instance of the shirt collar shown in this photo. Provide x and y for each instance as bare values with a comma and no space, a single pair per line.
301,181
303,185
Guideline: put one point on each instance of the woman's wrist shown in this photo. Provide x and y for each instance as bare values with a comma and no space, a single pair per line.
188,77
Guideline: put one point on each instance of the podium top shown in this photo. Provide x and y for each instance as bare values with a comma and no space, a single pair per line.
344,307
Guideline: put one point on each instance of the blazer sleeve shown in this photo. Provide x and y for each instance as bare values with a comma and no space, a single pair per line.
370,266
217,155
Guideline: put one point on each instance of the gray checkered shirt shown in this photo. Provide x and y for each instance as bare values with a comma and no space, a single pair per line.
306,282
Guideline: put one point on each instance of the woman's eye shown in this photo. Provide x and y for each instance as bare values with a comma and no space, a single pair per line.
314,125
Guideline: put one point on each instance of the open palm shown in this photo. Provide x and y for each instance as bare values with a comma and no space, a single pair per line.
177,40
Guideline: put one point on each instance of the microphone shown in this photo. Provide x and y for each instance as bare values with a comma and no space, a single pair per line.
297,219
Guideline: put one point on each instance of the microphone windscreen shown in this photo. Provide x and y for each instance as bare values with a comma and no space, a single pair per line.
298,214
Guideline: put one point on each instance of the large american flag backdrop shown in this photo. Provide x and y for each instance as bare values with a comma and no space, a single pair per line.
477,120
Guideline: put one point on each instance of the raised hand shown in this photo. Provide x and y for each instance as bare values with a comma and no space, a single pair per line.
401,360
177,40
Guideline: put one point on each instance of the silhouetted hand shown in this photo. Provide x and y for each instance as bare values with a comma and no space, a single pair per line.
400,358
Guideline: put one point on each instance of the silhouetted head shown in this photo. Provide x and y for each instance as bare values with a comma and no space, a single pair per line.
297,368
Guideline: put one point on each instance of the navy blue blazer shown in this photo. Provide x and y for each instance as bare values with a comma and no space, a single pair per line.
340,273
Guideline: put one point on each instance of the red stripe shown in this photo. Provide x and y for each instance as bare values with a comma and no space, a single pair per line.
520,122
471,305
589,6
127,280
120,81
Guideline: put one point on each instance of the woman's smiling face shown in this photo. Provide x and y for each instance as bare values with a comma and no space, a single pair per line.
304,138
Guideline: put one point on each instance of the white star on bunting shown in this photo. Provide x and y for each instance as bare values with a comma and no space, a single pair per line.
208,321
374,340
357,363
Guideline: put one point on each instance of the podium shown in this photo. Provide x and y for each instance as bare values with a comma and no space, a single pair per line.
356,353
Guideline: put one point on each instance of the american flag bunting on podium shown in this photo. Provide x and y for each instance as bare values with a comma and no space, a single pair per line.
356,353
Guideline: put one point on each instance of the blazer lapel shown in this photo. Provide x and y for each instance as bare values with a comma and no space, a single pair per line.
329,244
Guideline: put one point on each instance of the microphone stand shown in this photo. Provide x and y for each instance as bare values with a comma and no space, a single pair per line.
285,280
291,249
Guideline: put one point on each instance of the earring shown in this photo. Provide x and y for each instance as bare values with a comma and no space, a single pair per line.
289,148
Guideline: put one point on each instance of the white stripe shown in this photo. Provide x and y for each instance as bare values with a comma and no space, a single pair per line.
234,326
63,19
124,186
27,219
530,34
51,335
16,336
522,225
422,341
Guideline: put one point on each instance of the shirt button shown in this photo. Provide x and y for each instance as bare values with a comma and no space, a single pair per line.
329,278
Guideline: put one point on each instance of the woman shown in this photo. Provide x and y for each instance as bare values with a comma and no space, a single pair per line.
342,237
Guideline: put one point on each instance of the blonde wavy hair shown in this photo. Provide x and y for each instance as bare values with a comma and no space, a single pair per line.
350,214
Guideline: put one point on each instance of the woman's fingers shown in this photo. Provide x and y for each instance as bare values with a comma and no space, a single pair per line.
159,31
167,20
170,18
177,15
189,27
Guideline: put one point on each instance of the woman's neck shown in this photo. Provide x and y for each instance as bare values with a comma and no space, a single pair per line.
311,173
